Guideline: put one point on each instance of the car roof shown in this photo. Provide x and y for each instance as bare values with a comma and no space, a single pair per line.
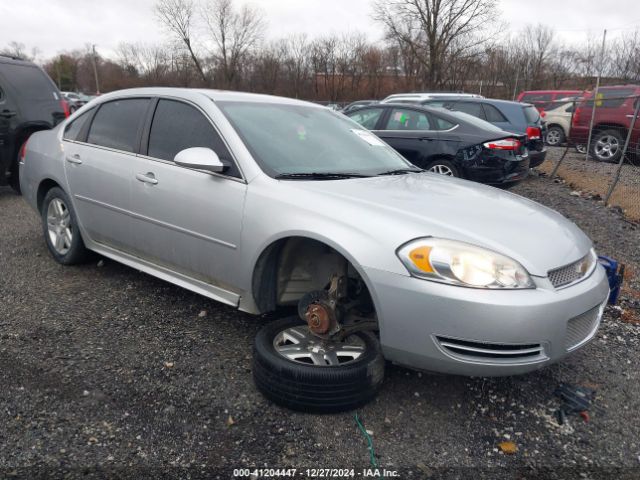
497,101
16,61
426,95
215,95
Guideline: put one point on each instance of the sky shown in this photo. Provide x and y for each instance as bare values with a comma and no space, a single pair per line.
53,26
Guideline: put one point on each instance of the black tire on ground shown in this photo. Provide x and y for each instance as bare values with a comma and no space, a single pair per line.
77,252
609,137
311,388
441,166
555,136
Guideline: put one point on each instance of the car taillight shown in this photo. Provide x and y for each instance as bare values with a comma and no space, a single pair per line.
534,133
576,116
65,108
504,144
543,113
23,152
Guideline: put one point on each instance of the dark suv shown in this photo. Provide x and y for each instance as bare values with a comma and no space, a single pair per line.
29,102
611,122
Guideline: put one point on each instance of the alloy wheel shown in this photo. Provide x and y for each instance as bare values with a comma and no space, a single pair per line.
299,345
441,170
606,147
59,226
553,137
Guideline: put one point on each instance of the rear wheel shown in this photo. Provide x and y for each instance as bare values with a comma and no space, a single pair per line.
555,136
443,167
60,228
296,369
607,146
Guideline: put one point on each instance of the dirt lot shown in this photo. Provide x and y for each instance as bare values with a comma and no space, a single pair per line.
110,373
593,178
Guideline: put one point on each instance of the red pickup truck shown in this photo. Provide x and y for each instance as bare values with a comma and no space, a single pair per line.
614,113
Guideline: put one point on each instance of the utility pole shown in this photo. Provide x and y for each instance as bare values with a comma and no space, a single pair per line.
95,69
595,96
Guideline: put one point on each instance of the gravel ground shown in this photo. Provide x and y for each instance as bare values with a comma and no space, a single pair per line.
110,373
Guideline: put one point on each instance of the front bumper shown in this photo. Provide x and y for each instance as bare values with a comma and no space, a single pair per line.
437,327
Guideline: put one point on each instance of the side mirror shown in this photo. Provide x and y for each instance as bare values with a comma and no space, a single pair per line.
200,158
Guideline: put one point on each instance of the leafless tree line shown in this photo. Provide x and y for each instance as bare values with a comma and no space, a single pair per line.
429,45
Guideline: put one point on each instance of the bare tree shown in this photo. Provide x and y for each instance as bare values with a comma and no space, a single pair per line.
431,29
234,34
177,17
19,50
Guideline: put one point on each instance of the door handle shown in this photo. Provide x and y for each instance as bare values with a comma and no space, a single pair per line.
75,159
8,113
148,177
425,139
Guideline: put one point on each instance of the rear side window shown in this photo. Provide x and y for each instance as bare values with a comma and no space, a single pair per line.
30,82
531,114
536,97
116,124
74,129
441,123
612,98
367,118
406,119
177,126
473,109
493,114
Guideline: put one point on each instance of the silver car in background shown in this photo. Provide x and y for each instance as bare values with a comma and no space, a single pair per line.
276,205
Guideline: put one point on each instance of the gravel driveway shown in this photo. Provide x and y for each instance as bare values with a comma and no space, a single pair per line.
109,373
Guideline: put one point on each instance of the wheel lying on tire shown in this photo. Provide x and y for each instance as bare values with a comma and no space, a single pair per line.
294,368
60,226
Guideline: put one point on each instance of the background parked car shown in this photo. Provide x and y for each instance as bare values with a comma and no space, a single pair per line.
75,100
558,120
612,120
29,101
448,143
358,104
519,118
426,97
546,99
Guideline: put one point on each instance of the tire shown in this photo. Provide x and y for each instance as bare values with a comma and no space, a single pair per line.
313,388
443,167
62,218
555,136
606,146
581,148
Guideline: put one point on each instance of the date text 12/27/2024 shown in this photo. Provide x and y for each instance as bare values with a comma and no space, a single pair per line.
314,473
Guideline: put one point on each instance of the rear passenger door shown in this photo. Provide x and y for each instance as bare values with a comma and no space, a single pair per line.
187,220
8,116
99,165
411,133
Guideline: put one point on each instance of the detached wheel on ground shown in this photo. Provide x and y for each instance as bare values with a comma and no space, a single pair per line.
555,136
60,226
296,369
607,146
443,167
581,148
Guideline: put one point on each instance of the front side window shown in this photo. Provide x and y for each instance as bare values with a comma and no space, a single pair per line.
407,119
368,118
177,126
117,122
300,139
73,129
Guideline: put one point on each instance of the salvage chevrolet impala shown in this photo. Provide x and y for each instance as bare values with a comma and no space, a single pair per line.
276,205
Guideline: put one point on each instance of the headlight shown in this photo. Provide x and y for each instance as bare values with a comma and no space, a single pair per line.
460,263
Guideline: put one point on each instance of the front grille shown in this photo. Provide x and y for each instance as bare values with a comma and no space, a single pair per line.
492,352
582,328
568,274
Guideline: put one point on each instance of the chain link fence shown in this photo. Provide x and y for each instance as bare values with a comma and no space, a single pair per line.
594,145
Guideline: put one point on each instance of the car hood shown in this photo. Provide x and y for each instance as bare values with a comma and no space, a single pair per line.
400,208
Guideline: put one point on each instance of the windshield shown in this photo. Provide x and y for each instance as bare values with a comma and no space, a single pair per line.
298,139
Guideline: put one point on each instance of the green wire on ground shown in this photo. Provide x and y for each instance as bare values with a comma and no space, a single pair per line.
372,453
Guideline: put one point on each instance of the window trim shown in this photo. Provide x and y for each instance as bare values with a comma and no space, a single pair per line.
146,135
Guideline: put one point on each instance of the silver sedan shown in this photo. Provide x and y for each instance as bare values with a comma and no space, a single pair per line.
276,205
